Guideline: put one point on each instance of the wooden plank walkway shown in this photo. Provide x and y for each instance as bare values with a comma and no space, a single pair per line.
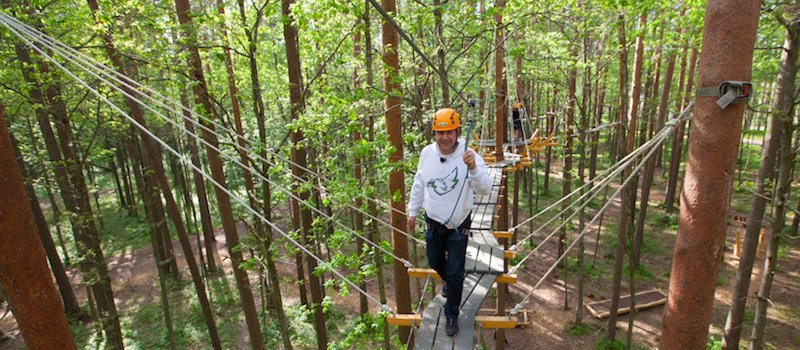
484,262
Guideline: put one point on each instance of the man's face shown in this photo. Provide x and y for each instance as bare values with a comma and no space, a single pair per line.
446,140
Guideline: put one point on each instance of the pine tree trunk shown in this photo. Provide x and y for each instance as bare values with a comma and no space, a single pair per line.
677,142
358,216
74,193
780,199
728,39
258,109
783,109
393,117
372,181
202,196
28,287
71,306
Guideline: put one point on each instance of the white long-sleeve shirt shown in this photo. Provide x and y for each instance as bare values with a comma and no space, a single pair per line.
437,185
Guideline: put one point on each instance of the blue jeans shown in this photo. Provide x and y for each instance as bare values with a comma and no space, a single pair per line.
446,249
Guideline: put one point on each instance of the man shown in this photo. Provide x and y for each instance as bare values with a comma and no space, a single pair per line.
446,177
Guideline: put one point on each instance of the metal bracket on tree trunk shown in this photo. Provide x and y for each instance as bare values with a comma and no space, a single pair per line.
731,91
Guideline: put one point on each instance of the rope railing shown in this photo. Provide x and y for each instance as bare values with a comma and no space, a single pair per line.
594,191
604,177
668,128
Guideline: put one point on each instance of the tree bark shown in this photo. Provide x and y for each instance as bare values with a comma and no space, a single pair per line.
24,275
728,40
397,190
677,142
71,306
782,109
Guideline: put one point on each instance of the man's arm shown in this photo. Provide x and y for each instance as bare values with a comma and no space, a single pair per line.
480,181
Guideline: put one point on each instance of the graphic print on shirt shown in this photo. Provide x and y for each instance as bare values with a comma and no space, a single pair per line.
445,184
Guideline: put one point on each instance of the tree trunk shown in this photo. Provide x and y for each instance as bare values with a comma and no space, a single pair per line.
71,306
499,82
677,142
299,164
728,40
372,181
782,109
358,216
625,202
31,295
202,196
200,90
441,51
258,109
780,200
397,190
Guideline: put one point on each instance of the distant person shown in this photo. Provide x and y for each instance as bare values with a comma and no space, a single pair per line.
516,117
447,174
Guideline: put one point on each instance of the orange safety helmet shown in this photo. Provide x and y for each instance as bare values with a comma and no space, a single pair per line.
445,119
517,105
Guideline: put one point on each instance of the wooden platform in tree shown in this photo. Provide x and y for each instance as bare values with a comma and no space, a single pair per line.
644,300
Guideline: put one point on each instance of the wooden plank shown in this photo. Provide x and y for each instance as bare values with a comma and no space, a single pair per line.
503,234
404,320
469,308
644,300
497,322
498,259
471,258
430,324
507,278
417,272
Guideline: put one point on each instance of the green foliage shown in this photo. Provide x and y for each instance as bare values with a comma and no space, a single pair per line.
613,344
641,272
714,343
580,329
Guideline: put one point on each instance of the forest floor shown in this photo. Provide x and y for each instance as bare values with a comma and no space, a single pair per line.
550,323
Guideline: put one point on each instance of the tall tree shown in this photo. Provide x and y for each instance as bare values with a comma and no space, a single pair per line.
71,306
202,98
782,110
26,280
727,52
299,165
627,193
251,33
393,116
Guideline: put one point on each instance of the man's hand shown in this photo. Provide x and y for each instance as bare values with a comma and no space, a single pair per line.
411,221
469,159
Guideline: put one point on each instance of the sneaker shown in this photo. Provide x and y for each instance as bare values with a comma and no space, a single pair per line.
452,326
